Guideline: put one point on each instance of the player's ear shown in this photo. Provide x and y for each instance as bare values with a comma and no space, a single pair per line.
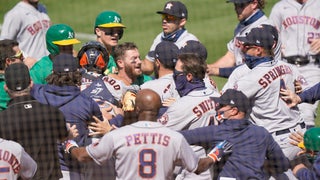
183,22
189,76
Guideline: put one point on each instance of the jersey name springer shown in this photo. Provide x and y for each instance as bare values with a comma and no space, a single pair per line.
274,74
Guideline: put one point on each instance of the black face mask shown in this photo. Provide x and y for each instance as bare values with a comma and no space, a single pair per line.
184,86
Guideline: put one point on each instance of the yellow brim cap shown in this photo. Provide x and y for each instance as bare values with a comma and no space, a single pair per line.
111,25
66,42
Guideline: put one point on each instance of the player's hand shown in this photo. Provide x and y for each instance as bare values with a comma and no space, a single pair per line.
212,70
100,127
296,139
315,46
73,131
220,150
168,102
297,87
290,97
68,145
29,61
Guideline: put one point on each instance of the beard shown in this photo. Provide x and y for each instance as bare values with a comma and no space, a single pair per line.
156,71
130,71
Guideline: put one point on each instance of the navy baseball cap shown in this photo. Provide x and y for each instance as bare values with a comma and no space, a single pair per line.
65,63
196,47
233,98
17,77
259,36
167,53
175,8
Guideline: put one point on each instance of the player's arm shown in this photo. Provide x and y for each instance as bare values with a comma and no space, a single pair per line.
228,60
203,136
221,149
28,166
147,67
80,153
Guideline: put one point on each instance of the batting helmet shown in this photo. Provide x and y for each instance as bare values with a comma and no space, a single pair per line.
312,139
59,34
108,19
93,56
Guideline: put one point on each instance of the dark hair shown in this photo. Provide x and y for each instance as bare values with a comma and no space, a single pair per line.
6,51
65,79
261,4
120,50
192,63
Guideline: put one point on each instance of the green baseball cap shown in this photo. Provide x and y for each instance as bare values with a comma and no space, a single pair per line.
60,34
108,19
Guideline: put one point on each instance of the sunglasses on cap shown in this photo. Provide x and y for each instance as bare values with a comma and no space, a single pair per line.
168,17
18,55
112,31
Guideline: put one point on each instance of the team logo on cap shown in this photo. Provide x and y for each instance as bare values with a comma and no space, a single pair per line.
169,5
70,35
116,19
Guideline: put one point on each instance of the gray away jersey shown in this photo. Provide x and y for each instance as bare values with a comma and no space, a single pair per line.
144,150
14,161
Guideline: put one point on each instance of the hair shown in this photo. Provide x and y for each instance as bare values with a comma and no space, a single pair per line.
6,51
65,79
121,49
13,93
191,64
261,4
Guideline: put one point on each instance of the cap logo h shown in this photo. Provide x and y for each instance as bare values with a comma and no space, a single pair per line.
169,5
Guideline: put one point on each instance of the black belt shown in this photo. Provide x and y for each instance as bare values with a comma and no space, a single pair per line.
303,60
285,131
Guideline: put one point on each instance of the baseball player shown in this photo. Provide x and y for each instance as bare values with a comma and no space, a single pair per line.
60,38
198,108
166,55
250,15
262,86
28,26
302,168
15,162
298,24
174,17
146,149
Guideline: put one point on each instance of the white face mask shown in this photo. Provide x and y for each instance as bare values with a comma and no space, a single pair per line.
219,117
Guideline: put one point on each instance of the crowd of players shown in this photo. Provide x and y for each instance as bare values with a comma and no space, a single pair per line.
103,112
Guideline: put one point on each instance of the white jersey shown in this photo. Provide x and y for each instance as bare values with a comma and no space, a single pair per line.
15,162
144,150
185,36
194,110
28,26
262,86
105,88
232,47
164,87
298,25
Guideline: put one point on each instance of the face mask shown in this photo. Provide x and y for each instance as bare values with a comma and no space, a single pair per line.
220,116
253,61
183,86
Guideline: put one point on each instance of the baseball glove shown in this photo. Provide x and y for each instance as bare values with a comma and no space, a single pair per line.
128,100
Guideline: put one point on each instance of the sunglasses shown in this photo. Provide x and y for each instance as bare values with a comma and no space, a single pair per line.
168,17
19,56
112,31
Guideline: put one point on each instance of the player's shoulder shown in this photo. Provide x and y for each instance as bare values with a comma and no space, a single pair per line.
10,144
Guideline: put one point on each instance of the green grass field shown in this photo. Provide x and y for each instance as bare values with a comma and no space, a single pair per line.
212,21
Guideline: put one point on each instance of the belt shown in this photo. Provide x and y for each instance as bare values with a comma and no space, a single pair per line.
303,60
285,131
